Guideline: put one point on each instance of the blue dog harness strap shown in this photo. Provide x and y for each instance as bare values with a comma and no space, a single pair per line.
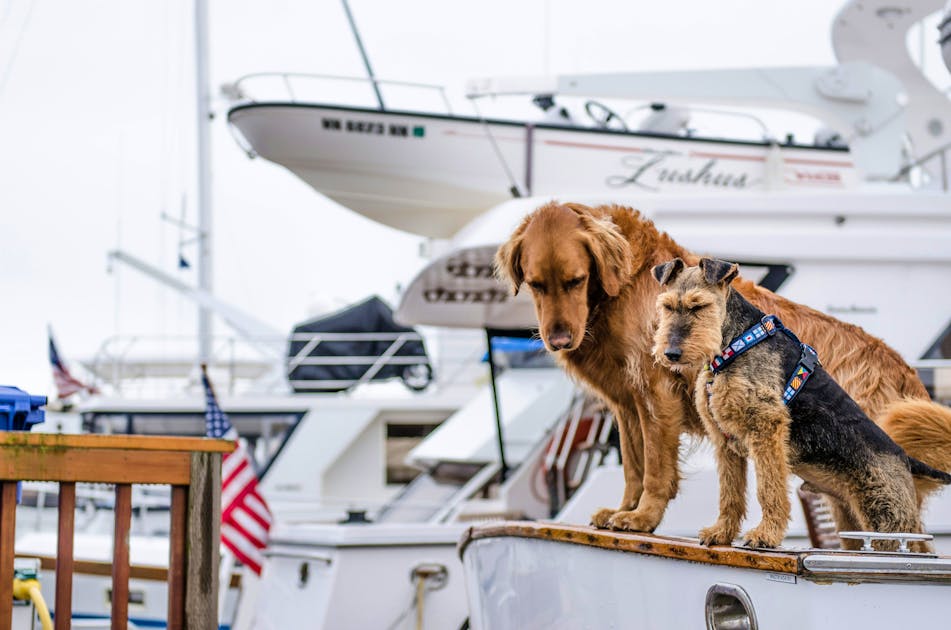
766,328
808,359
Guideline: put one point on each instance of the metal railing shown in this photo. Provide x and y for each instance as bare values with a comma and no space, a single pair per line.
239,90
939,154
374,363
165,363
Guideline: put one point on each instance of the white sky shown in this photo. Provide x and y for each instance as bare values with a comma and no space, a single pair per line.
96,140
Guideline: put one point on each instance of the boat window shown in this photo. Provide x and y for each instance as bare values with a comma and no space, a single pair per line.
941,348
401,438
935,370
265,432
768,275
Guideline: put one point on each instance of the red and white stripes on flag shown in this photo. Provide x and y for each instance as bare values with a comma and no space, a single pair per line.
245,517
66,384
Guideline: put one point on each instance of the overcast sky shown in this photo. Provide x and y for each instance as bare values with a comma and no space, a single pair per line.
97,140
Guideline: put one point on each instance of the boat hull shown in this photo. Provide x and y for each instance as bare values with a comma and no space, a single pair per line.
431,174
360,576
517,582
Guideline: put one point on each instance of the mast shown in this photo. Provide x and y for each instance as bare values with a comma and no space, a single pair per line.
203,157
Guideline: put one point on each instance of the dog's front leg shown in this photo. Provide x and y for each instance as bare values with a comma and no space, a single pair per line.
768,443
731,469
660,426
632,461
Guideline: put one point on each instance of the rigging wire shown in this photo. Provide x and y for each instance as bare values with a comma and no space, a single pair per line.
8,70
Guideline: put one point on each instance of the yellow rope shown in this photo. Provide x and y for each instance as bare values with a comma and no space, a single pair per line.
29,590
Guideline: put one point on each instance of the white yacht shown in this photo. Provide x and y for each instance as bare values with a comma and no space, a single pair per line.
824,223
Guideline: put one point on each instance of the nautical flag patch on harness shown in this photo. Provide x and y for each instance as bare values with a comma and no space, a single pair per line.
766,328
808,361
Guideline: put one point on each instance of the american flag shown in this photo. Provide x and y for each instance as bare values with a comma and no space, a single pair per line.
66,384
245,517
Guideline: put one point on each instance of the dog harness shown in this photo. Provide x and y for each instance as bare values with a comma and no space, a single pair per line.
767,327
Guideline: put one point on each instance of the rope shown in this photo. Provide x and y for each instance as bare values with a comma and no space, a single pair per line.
513,185
406,612
420,592
29,590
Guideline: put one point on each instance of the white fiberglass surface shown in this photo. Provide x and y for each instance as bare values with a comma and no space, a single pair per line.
522,583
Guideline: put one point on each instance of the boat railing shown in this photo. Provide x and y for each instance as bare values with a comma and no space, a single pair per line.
161,364
243,88
92,500
915,167
310,343
935,374
191,466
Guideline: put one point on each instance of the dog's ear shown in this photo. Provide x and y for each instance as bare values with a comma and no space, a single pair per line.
610,252
718,271
508,263
668,271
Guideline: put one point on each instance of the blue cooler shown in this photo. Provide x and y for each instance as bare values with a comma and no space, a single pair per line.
19,412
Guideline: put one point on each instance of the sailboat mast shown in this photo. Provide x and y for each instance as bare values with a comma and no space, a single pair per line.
203,157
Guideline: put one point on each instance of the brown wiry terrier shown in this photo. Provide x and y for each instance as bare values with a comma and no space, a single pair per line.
589,271
815,431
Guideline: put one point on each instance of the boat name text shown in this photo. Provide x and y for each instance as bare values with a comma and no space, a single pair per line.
465,296
463,269
652,170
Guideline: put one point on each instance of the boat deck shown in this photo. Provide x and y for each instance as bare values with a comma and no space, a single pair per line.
810,564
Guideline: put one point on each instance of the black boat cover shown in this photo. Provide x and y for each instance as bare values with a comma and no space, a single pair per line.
409,362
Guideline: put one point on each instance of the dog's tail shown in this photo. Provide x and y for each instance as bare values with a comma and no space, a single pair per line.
921,469
923,429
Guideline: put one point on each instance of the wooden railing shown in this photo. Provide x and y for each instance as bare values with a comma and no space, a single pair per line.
192,466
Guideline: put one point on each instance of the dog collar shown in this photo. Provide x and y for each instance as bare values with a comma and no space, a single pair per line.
767,327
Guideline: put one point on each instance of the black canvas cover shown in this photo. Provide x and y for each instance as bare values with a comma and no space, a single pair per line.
372,315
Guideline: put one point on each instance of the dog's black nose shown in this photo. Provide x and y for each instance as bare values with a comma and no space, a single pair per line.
559,339
673,354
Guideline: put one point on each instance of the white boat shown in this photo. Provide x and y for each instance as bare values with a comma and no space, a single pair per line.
431,172
825,225
516,578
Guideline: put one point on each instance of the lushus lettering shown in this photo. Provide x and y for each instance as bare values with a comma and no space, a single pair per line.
651,171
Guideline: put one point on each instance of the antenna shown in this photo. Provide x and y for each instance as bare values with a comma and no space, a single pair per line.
363,54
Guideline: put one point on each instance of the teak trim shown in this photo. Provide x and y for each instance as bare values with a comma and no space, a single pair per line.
116,459
646,544
114,442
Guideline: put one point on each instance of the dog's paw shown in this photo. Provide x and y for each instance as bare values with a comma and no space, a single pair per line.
634,521
761,536
717,534
601,518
